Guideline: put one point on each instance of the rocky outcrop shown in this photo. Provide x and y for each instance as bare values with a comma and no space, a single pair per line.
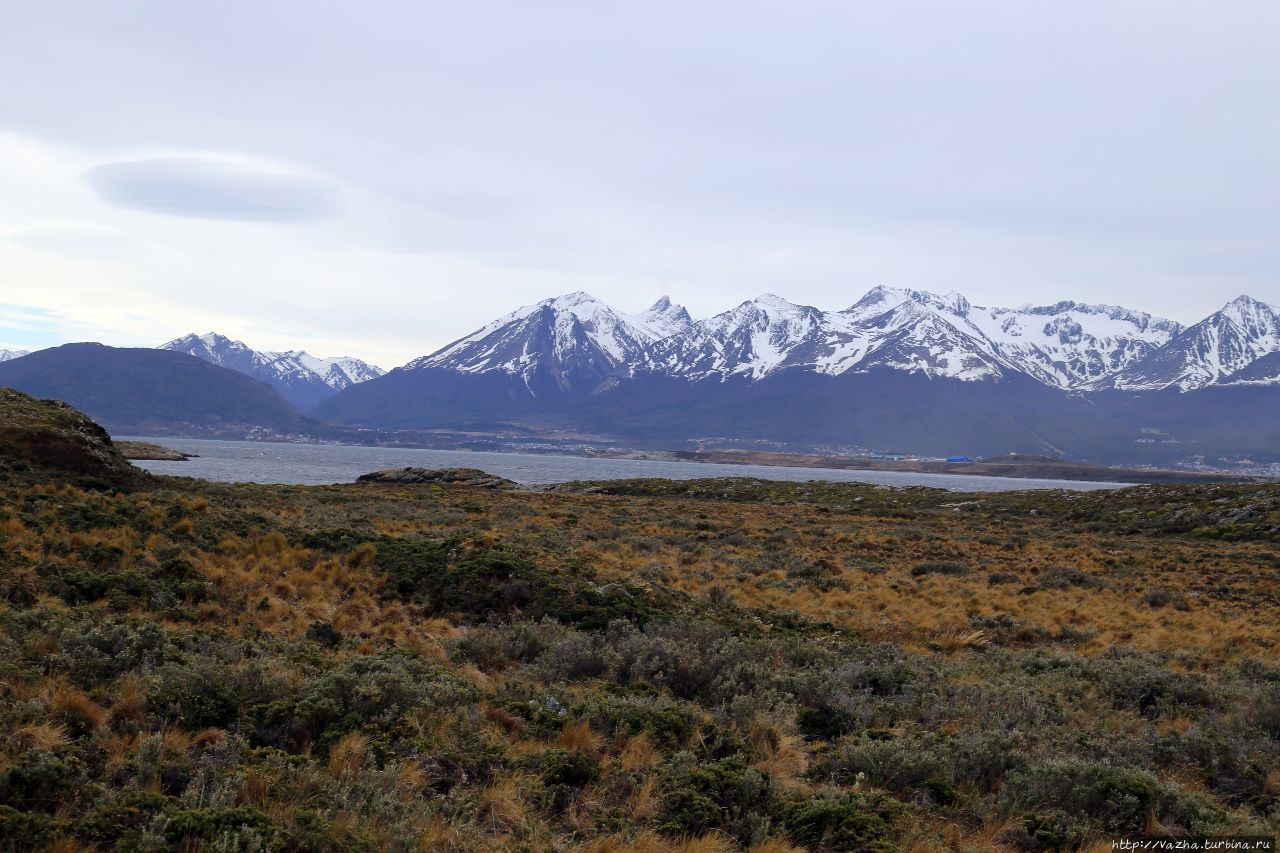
147,450
44,440
459,476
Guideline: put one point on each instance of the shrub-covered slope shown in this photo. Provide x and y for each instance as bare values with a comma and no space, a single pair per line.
700,666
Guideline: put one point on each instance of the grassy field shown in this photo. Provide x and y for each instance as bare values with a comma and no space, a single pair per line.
648,665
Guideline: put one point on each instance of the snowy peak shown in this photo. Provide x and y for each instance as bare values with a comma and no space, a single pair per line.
664,318
1212,351
301,378
338,372
753,340
929,335
1072,345
564,344
11,354
880,299
572,343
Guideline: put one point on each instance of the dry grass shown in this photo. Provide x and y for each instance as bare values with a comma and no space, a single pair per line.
500,809
348,755
853,569
578,737
45,737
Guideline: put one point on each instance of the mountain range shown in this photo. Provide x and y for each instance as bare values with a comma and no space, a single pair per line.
572,343
301,378
154,392
898,369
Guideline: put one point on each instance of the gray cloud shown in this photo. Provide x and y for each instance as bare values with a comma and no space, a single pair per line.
494,152
212,189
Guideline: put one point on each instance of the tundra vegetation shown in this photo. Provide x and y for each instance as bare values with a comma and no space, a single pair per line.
647,665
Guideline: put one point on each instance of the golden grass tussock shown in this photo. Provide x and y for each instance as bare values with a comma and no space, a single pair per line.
578,737
712,842
256,788
42,736
500,808
782,752
644,801
348,755
437,835
639,754
72,706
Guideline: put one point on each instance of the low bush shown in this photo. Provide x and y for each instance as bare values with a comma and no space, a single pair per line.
864,822
939,567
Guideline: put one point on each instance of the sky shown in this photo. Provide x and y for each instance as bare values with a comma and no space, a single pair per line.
379,178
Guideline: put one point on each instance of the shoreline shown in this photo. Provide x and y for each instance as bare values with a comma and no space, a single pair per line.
1013,466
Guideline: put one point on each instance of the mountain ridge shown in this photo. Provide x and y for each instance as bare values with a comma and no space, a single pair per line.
145,391
1069,345
301,378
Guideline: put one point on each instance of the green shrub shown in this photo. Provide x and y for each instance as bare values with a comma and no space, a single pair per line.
208,824
21,830
939,567
1065,578
724,795
1118,799
863,822
564,774
40,780
116,820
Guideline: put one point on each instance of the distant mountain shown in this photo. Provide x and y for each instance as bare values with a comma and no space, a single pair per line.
898,369
526,362
145,391
1072,345
10,354
1219,346
903,369
560,345
301,378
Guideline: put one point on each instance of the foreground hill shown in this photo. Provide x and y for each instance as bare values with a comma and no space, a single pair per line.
655,666
151,391
46,440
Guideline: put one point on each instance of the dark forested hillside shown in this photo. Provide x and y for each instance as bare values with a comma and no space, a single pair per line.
152,391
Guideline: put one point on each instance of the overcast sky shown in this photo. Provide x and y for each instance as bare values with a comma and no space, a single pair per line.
378,178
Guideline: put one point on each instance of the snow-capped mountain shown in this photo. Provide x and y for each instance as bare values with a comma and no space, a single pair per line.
565,344
11,354
903,330
301,378
753,340
575,342
898,369
1210,352
1071,345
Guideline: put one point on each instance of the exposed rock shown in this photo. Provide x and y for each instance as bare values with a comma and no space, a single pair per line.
461,476
147,450
49,440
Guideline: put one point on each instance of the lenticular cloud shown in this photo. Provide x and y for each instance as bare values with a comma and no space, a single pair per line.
207,188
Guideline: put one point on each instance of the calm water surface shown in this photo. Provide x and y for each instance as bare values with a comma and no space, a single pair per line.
320,464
